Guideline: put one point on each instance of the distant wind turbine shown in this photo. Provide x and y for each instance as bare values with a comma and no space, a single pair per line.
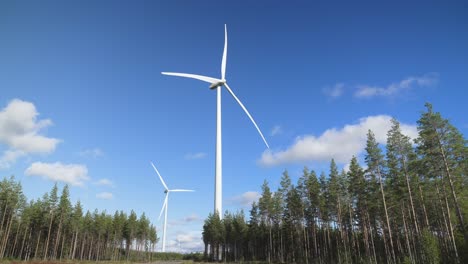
217,84
178,242
165,205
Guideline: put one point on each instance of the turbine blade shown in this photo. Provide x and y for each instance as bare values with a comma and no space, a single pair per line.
181,190
193,76
162,181
247,112
164,206
223,63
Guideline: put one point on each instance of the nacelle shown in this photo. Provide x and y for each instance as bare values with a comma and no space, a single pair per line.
216,84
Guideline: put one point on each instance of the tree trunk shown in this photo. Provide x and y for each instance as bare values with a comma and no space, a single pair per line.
423,205
270,249
413,240
386,215
48,235
82,246
22,243
3,217
372,237
37,245
74,246
386,249
28,246
12,253
406,234
90,248
454,195
57,238
61,250
449,222
410,196
5,240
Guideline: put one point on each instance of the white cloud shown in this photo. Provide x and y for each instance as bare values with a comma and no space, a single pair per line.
368,91
334,91
9,157
186,242
276,130
73,174
340,144
104,182
93,153
198,155
105,196
20,132
246,199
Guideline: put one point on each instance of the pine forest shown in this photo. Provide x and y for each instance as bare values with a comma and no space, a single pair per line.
51,228
407,203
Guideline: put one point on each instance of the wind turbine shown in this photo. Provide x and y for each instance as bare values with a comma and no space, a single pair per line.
178,242
165,205
217,84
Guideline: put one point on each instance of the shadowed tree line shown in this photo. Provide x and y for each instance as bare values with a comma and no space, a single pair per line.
51,228
407,205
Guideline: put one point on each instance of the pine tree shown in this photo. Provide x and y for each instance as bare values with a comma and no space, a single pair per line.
265,205
441,146
375,166
358,192
77,227
399,155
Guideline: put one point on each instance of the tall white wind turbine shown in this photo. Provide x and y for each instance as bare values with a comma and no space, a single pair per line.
217,84
165,205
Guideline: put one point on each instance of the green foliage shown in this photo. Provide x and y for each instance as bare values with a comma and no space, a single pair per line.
430,247
196,256
51,228
166,256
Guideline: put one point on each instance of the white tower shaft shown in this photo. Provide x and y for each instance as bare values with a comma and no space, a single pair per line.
218,164
165,225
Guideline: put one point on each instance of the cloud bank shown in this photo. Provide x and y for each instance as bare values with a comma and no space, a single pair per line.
340,144
20,132
368,91
186,242
73,174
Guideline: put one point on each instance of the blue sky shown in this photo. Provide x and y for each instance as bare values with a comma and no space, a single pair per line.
82,94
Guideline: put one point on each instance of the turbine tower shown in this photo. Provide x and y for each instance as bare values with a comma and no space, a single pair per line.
217,84
165,205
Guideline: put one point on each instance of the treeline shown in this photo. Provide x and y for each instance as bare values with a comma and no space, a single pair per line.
51,228
407,205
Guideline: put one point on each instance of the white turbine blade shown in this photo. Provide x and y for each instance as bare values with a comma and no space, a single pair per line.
193,76
247,112
163,183
164,206
223,63
181,190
